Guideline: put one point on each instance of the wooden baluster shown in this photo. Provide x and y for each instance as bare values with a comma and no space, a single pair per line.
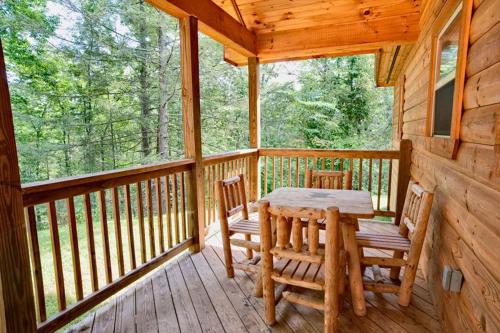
89,225
159,208
214,208
273,173
36,264
105,236
281,171
56,256
208,219
130,227
183,208
264,165
75,251
297,174
289,184
332,164
282,232
379,183
351,166
360,175
323,163
118,230
313,236
389,186
297,235
370,175
151,227
230,200
140,217
169,211
341,164
315,163
176,211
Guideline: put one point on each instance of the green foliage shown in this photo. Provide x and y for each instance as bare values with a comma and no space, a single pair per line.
88,89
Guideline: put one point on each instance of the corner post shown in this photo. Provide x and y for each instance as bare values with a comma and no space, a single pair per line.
254,125
17,307
192,128
403,176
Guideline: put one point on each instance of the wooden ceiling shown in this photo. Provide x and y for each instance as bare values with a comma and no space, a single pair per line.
299,29
279,30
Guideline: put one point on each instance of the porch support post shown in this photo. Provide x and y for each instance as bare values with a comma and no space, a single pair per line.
403,176
17,307
254,124
192,128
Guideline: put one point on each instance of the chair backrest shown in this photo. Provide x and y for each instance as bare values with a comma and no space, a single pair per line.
231,196
289,241
416,212
333,180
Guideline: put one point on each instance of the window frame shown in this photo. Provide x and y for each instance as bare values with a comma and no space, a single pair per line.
447,146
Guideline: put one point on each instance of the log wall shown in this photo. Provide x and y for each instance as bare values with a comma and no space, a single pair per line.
464,230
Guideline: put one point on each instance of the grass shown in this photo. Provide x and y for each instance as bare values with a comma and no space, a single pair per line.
47,263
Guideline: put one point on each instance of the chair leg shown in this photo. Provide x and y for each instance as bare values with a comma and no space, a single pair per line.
258,291
407,284
248,237
331,308
228,256
269,300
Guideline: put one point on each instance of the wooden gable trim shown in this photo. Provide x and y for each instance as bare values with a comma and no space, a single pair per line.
213,21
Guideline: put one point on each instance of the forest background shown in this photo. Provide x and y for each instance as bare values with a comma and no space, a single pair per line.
95,85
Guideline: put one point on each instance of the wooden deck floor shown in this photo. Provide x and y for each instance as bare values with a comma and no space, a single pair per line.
193,294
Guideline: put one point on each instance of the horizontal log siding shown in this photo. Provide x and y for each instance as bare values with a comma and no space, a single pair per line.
464,229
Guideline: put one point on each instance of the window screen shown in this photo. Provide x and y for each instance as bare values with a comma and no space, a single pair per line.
443,108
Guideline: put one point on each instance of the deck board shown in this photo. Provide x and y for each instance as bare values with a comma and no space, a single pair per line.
193,294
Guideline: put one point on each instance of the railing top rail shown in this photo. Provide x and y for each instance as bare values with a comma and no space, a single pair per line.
228,156
337,153
56,189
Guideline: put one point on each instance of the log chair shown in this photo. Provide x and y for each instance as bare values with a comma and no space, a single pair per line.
414,220
332,180
234,219
312,266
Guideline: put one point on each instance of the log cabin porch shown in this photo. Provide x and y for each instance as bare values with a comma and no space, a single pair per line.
193,294
138,220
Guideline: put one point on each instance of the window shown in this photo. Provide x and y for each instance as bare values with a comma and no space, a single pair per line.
449,55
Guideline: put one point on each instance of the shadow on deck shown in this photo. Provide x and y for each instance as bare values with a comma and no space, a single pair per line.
193,294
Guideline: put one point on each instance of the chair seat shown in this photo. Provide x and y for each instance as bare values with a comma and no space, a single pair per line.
249,227
383,241
299,273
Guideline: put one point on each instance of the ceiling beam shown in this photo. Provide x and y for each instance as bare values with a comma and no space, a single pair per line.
214,22
332,40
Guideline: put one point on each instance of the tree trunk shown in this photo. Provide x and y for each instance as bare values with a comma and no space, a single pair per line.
143,82
163,140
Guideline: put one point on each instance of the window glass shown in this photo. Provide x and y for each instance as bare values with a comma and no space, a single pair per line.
445,75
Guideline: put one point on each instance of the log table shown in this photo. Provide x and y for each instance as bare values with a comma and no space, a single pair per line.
352,205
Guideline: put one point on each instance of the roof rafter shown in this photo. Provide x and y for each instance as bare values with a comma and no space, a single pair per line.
214,22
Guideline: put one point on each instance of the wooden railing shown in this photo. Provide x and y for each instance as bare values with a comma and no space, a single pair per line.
106,230
221,166
148,204
372,171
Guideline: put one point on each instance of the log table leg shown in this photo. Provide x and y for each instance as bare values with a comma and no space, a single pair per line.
354,267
